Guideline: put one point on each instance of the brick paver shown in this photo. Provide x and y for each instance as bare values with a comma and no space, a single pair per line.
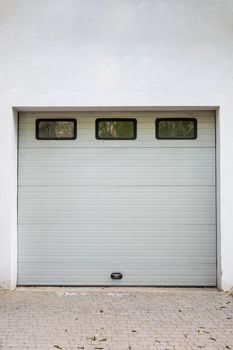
116,318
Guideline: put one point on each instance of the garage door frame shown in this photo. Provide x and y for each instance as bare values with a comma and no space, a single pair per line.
165,109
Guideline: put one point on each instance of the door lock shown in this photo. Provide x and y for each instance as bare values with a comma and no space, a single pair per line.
116,275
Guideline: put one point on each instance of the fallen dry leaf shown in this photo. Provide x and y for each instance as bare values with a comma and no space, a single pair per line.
103,339
92,338
202,331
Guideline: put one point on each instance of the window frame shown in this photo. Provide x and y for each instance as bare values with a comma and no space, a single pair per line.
158,120
133,120
74,121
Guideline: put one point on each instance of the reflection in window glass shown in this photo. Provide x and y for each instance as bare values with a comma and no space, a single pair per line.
53,129
176,128
116,129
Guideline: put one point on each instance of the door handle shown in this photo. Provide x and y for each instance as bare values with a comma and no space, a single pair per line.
116,275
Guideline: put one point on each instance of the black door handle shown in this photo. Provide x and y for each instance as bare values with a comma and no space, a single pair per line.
116,275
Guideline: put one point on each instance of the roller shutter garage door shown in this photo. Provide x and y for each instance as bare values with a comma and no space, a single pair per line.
144,207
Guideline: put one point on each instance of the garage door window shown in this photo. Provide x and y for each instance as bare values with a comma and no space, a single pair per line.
116,129
176,129
56,129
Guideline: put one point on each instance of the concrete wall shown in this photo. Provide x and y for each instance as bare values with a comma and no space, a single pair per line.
60,53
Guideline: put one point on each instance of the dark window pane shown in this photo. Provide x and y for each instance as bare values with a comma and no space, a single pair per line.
176,128
116,129
53,129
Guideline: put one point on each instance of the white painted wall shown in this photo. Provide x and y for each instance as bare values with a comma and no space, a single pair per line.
61,53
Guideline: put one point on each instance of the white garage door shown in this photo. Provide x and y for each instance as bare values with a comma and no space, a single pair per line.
142,207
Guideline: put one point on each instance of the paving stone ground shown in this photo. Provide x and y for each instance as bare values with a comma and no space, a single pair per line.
116,319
